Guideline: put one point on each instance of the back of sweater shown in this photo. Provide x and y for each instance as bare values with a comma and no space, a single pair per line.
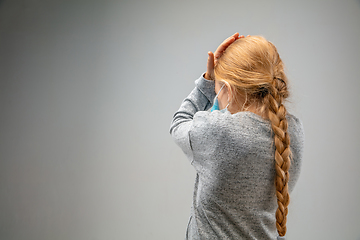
233,155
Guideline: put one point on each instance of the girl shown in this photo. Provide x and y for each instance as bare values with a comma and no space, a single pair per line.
241,148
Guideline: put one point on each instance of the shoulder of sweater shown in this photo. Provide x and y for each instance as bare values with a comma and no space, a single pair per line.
295,123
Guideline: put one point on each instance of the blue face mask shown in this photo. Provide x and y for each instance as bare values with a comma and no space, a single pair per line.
216,102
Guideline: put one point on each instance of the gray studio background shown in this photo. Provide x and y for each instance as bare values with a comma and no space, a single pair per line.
88,90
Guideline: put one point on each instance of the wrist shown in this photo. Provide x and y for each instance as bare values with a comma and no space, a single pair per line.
206,76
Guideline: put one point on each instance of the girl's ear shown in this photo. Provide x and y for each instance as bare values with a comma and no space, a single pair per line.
229,91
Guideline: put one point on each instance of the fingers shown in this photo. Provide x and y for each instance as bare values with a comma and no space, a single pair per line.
226,43
223,46
212,59
236,35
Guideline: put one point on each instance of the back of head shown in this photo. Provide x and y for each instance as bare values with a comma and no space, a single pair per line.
252,67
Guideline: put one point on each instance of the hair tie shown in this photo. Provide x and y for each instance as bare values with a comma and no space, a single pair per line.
279,79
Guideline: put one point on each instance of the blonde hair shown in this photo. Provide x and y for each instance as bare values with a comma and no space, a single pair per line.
252,67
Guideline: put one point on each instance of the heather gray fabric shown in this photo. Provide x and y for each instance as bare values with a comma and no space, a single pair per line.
233,155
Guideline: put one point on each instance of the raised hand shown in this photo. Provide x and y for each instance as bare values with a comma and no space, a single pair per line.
213,57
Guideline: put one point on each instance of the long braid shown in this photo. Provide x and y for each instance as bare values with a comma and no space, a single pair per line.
277,116
252,67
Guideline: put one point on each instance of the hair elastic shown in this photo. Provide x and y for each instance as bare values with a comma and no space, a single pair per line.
280,79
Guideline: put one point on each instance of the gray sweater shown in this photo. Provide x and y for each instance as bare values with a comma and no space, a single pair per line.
233,155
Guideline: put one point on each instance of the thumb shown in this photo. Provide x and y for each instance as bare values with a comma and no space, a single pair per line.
210,62
210,66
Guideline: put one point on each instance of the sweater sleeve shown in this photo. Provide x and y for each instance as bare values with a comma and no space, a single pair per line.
200,99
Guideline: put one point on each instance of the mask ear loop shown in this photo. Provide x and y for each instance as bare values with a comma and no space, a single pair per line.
228,97
220,90
228,103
